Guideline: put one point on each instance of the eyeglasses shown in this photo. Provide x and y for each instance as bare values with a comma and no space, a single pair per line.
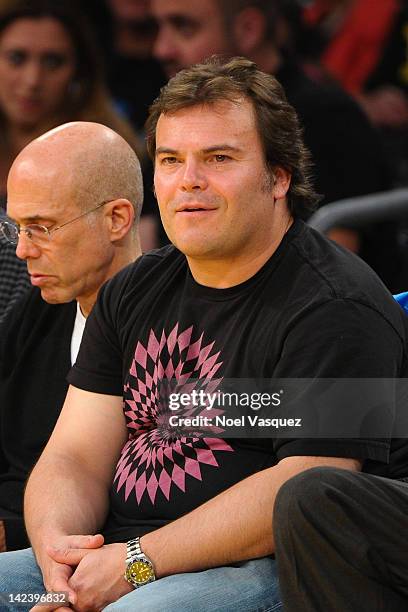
38,233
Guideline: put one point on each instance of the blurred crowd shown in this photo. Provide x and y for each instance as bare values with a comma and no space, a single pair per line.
343,63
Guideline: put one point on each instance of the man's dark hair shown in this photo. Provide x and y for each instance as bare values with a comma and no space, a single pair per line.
277,122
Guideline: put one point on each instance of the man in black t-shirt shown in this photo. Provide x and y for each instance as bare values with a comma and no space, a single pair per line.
247,292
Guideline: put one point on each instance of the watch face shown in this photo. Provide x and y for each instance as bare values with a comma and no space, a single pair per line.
139,572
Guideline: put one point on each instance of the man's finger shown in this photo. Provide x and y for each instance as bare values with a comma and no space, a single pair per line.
60,551
58,582
68,556
50,608
83,541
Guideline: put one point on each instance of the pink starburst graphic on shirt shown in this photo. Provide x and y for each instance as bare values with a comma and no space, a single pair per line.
156,457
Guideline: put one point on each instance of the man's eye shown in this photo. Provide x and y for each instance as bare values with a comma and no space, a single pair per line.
168,161
219,158
185,27
36,231
188,30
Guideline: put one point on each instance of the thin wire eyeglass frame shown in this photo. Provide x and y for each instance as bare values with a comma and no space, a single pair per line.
45,231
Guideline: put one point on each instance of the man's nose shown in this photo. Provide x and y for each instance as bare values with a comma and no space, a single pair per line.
26,248
193,177
164,48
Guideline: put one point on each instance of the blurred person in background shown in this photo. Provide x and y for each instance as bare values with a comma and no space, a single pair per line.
363,45
134,77
128,31
50,73
347,154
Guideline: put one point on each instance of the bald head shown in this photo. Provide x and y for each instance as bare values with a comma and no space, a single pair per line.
82,184
89,160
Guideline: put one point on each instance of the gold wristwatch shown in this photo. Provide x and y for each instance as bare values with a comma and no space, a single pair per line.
139,568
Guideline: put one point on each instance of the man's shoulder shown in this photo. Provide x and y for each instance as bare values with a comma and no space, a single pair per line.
328,272
151,263
157,257
32,318
330,265
146,272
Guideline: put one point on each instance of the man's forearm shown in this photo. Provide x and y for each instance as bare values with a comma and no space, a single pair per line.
62,498
234,526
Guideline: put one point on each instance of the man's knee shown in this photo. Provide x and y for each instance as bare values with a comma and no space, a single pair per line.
19,572
310,490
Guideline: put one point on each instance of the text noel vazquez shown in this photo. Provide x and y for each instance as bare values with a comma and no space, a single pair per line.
223,421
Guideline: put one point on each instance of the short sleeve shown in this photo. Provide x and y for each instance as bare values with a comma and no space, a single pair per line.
341,339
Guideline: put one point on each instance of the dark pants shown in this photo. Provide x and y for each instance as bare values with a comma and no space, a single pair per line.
16,536
342,542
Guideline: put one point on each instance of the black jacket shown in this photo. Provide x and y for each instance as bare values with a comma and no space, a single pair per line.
35,342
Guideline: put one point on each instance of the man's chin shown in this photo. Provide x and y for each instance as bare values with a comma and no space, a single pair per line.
51,297
197,251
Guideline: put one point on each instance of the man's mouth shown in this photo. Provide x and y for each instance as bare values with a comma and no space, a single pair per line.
191,208
39,279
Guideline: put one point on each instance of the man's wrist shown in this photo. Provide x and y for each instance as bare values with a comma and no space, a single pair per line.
148,544
139,569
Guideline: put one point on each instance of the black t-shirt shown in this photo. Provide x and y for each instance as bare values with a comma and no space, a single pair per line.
313,310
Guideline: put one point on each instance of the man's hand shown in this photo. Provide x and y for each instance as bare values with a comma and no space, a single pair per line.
98,579
56,574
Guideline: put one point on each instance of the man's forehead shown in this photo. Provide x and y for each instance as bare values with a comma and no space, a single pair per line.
234,119
31,196
43,168
29,209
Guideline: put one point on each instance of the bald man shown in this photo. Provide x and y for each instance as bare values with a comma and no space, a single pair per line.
74,198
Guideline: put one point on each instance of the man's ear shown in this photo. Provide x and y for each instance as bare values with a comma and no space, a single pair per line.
121,218
249,29
281,183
